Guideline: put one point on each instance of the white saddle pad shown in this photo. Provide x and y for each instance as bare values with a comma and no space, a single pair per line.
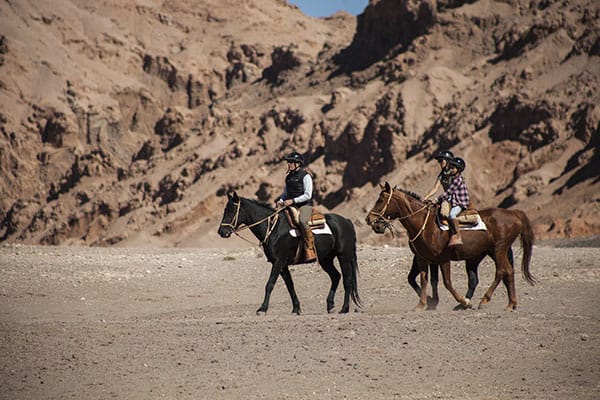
325,230
480,226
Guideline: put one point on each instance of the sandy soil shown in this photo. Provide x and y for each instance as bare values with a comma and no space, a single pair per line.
101,323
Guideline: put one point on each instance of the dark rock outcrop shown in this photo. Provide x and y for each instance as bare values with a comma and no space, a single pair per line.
525,121
170,129
385,28
283,58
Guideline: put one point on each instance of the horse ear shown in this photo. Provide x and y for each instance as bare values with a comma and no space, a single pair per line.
232,195
388,188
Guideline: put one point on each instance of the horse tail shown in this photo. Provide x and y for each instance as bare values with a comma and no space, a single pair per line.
527,239
353,265
354,281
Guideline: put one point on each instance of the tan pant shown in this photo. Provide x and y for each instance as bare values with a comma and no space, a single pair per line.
307,236
305,214
445,209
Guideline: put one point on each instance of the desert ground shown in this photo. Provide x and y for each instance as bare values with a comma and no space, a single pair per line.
134,323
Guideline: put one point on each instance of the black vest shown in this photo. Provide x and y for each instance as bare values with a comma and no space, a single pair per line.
445,179
294,185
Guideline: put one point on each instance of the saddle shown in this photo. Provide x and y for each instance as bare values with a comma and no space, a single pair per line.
467,217
316,221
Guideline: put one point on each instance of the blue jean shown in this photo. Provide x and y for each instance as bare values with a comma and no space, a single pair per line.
454,211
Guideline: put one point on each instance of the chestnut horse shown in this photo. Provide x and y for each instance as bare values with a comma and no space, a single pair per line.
429,243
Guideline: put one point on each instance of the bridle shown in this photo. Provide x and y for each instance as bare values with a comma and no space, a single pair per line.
381,214
234,220
388,221
271,222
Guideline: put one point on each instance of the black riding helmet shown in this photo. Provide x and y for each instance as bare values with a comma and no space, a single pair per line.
294,156
444,155
458,163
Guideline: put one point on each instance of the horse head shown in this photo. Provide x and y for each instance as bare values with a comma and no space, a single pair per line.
231,215
381,213
394,203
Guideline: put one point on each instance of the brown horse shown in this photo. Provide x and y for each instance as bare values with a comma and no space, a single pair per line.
429,243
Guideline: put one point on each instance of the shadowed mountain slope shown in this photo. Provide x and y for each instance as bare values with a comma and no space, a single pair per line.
126,124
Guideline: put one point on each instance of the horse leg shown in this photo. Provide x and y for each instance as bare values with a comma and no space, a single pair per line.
346,264
446,275
509,282
334,275
412,276
420,266
473,278
503,268
275,271
422,304
434,300
289,283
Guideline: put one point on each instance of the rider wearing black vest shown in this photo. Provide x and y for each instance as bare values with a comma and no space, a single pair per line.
298,193
294,186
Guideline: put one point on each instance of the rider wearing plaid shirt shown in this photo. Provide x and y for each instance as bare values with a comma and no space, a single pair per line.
458,197
456,194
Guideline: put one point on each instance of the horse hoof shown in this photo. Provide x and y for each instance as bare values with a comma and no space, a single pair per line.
432,303
511,307
460,307
261,312
419,307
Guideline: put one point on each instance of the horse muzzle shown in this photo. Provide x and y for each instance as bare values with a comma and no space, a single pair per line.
224,231
378,224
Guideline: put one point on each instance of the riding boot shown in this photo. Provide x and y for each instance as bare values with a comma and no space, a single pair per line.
455,239
309,246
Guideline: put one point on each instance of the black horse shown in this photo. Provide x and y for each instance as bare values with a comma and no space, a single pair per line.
272,229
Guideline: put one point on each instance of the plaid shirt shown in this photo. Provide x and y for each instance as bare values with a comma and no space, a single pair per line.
456,194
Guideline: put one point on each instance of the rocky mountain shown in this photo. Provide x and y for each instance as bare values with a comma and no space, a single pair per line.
125,123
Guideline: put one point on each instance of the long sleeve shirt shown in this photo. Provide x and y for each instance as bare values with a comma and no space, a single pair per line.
457,193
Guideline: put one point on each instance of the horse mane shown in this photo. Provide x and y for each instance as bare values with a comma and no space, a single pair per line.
259,204
411,194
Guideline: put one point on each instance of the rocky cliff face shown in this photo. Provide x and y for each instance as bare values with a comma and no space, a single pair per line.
127,124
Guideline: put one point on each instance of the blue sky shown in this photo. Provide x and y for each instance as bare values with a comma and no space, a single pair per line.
324,8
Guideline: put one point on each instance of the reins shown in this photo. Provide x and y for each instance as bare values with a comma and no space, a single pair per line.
270,226
424,224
